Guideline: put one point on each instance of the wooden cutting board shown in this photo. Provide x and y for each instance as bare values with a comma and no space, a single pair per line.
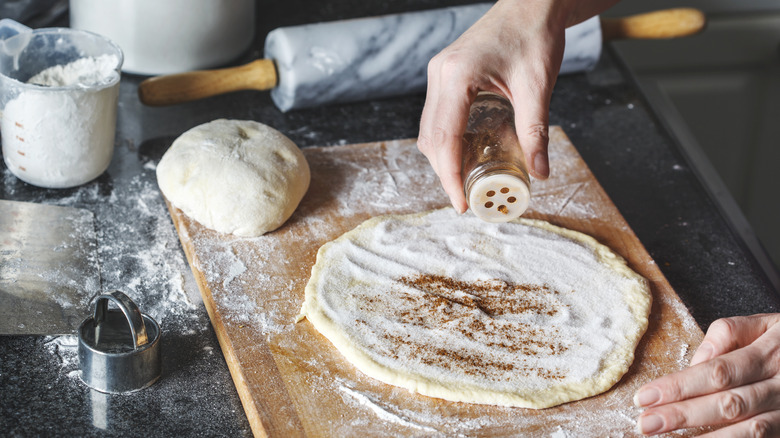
293,382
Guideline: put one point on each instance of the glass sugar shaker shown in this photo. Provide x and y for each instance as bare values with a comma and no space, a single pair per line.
495,174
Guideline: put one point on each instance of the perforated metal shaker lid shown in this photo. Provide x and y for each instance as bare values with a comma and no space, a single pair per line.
500,197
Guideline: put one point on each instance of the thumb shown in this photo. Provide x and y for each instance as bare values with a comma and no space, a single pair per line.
533,134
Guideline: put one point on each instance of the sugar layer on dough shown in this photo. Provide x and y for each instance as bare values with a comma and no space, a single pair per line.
519,314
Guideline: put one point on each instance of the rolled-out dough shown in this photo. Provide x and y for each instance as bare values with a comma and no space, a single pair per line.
234,176
518,314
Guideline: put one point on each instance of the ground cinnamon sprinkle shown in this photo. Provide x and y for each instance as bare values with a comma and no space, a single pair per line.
494,297
478,311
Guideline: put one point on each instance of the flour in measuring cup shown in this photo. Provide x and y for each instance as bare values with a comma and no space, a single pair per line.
61,134
89,71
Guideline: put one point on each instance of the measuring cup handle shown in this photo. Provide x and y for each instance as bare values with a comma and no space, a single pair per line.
9,28
130,310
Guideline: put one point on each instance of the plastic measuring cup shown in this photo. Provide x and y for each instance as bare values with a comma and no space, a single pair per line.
55,135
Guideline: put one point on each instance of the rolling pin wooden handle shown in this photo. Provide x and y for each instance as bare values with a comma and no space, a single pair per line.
185,87
667,23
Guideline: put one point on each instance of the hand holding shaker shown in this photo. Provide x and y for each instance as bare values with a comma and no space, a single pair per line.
495,174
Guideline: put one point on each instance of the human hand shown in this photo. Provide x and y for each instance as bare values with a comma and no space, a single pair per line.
514,50
734,379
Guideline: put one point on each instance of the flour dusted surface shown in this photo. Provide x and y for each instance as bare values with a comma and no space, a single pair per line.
332,398
520,314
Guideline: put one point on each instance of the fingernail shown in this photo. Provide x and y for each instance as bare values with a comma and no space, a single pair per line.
650,424
540,165
647,397
458,208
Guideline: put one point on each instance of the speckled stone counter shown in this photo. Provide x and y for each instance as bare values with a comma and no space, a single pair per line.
637,163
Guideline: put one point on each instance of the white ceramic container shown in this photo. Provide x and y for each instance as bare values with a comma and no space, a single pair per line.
170,36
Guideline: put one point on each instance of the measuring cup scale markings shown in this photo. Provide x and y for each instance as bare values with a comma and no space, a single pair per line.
59,96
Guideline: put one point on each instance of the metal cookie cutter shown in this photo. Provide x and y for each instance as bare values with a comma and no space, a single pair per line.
119,349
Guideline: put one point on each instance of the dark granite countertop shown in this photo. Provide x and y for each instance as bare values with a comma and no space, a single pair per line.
636,161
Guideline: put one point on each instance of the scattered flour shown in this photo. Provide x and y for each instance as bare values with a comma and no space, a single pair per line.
138,250
373,414
382,412
234,267
249,292
571,200
65,349
66,286
684,349
141,255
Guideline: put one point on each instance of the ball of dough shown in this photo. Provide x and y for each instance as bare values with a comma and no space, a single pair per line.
234,176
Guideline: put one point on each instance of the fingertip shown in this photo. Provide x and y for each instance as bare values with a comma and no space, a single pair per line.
463,208
703,353
646,397
650,424
458,202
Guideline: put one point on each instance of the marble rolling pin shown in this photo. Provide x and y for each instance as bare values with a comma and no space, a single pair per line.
369,58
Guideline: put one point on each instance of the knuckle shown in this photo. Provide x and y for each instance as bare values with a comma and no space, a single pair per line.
438,139
760,428
673,391
446,63
450,61
433,64
773,357
539,82
721,376
540,79
539,131
677,418
724,328
440,136
424,144
732,406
